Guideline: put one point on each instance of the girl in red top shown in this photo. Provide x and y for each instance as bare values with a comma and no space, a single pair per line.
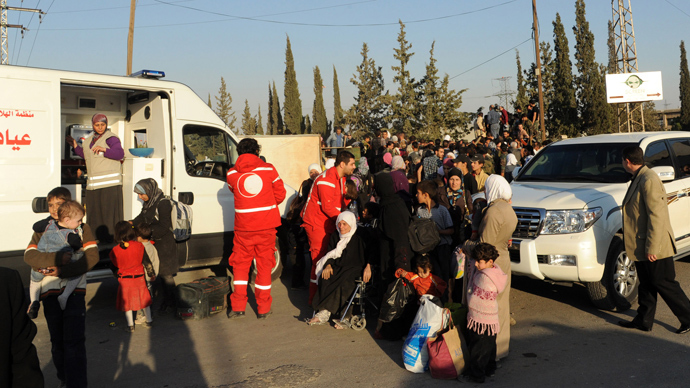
130,258
424,281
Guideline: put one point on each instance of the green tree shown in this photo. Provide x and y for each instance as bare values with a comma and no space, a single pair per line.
651,117
684,89
209,101
562,112
430,121
276,116
521,99
403,107
259,125
269,118
369,111
306,124
320,122
293,103
338,116
596,116
224,106
248,122
452,120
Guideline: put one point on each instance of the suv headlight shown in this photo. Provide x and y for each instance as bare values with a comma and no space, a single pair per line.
570,221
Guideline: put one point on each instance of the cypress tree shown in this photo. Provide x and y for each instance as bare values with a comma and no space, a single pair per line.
338,118
684,89
293,103
430,120
521,99
612,67
563,108
259,126
269,117
306,125
224,106
248,122
209,101
319,112
369,110
276,116
450,116
402,104
595,113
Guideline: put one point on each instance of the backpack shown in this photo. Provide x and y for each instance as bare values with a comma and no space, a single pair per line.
181,218
423,234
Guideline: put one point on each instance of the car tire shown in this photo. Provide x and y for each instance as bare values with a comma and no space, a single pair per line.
617,289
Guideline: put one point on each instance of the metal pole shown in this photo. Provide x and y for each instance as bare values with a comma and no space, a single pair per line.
3,32
130,37
541,93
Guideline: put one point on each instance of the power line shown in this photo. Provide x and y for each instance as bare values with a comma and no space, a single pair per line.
491,59
676,7
40,23
14,44
112,8
256,18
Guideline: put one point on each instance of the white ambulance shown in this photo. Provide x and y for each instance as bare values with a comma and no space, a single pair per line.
192,151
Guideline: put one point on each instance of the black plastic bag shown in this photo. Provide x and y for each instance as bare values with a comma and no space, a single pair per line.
397,297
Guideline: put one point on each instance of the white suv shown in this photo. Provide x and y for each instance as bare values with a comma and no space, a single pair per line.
568,203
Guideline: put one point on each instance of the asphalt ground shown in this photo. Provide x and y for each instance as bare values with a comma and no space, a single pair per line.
560,339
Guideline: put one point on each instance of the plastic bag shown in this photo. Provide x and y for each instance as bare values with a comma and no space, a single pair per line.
427,323
395,300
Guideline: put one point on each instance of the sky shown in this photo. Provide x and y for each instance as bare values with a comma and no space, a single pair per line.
197,42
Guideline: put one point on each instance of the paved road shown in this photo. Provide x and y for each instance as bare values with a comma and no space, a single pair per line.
559,340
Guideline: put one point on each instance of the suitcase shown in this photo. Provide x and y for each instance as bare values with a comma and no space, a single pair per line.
202,297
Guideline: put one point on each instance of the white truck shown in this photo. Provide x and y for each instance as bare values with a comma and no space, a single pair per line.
192,151
568,202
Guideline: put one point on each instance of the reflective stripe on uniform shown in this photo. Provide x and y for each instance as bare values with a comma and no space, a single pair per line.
276,180
239,282
263,169
104,183
93,178
263,287
256,209
232,172
325,183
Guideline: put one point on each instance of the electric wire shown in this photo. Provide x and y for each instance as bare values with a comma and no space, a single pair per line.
676,7
14,44
492,58
27,27
112,8
36,36
256,18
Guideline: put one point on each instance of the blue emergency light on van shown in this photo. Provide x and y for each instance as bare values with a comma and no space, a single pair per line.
155,74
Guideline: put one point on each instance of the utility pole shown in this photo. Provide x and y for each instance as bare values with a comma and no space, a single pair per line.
505,91
626,62
535,25
4,50
130,37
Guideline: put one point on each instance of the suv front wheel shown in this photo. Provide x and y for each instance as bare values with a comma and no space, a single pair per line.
617,289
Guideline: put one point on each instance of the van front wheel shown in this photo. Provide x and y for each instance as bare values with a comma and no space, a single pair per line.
617,289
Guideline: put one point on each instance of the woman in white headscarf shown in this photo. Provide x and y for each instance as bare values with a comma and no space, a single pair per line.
496,228
337,271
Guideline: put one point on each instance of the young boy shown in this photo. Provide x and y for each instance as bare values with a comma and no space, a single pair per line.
487,280
55,198
61,236
426,194
143,232
423,281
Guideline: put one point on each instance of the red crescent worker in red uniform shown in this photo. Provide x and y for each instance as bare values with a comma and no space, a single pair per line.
326,200
258,191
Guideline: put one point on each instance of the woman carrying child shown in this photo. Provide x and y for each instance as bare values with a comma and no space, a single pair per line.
130,258
347,259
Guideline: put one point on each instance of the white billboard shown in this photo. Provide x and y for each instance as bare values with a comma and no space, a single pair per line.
633,87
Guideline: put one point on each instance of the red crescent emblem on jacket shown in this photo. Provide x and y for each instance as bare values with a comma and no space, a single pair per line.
249,185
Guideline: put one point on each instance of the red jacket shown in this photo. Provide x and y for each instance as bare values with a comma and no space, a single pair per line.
258,191
129,262
326,200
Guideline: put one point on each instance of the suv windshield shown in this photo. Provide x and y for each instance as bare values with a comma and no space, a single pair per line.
578,163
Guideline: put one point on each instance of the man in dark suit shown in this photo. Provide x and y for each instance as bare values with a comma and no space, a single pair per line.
650,243
19,365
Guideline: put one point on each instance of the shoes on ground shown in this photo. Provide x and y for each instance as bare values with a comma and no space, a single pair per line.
635,325
235,314
129,329
147,325
264,315
33,309
683,329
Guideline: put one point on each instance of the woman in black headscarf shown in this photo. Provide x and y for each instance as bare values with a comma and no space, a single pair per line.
157,213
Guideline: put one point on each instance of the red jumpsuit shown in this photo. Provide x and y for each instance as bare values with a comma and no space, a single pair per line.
258,190
326,200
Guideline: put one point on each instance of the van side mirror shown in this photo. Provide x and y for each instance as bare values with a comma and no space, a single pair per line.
39,205
666,173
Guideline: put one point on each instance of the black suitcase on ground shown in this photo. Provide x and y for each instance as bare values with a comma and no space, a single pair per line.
202,297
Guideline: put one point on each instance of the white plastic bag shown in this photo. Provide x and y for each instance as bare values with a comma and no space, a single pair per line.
427,322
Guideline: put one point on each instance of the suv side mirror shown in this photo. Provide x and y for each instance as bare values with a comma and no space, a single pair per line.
666,173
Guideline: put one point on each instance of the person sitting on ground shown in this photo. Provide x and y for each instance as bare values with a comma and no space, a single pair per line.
347,260
423,281
486,281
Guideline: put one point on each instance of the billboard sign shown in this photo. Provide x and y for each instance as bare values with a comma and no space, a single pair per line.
633,87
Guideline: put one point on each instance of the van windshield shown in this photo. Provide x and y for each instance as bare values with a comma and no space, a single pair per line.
578,163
